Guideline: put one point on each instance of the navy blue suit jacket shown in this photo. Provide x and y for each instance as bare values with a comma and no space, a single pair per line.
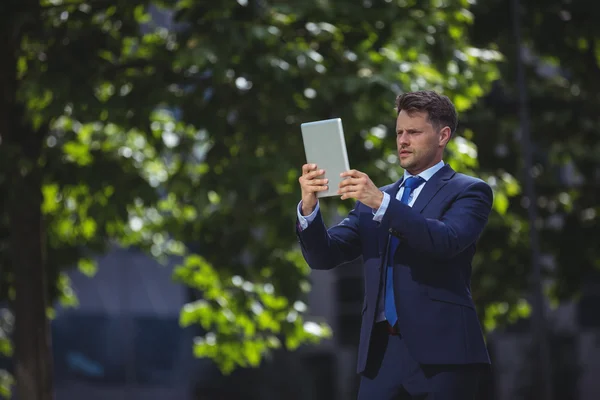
432,275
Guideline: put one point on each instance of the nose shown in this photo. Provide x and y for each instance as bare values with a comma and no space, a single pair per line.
402,139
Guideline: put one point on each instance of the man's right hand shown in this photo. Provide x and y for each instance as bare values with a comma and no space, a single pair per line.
310,185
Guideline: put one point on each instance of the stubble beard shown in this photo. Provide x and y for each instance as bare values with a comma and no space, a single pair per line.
408,163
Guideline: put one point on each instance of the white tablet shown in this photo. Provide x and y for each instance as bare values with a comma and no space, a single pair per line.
325,146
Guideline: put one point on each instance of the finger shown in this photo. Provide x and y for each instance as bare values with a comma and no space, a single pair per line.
306,168
351,173
314,174
313,189
349,182
318,182
348,189
311,176
349,195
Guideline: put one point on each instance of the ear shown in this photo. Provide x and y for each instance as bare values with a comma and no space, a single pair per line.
445,134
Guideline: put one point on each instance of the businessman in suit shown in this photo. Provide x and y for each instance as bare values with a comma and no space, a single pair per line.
420,336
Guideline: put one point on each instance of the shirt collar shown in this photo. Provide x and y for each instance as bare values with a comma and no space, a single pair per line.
427,174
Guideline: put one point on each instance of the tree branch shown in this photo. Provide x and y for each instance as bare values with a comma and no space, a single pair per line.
591,55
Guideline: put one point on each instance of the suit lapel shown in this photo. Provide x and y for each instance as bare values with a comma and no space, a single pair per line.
432,186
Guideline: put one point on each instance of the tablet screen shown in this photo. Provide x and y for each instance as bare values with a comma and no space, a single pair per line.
324,145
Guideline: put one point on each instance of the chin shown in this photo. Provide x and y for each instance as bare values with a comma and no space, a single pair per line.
406,165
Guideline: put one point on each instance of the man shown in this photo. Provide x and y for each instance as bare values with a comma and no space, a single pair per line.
420,336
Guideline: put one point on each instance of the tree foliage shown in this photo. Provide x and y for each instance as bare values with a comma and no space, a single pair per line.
272,68
177,132
562,60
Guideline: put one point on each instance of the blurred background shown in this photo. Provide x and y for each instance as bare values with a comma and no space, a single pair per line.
149,161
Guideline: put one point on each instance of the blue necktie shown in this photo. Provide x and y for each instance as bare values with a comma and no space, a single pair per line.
390,306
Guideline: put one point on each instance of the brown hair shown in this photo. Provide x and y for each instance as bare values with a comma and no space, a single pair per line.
439,108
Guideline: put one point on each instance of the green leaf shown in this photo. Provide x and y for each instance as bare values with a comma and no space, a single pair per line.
6,383
87,266
500,203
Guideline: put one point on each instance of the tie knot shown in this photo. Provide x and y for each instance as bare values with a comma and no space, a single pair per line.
413,182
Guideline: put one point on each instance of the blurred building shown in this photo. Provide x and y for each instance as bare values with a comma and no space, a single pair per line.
124,341
574,346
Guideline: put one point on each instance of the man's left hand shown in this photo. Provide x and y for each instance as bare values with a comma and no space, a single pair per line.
359,186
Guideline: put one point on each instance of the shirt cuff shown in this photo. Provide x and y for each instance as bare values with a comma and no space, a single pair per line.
306,220
378,216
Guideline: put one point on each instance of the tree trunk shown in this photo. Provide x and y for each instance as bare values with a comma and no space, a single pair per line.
33,358
20,151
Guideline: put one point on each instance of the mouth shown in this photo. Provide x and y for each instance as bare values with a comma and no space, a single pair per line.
404,153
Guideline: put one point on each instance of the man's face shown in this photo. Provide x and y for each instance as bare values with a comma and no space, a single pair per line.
420,145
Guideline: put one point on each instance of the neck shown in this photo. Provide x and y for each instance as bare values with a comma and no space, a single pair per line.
417,171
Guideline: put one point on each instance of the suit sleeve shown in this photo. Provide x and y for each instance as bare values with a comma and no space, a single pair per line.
328,248
459,227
